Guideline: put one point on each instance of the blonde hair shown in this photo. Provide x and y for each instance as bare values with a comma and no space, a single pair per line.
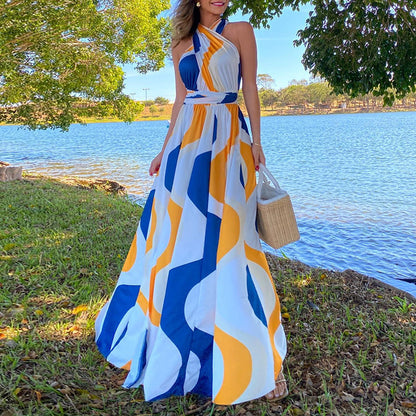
185,20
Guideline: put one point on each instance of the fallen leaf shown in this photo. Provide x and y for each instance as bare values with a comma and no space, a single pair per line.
75,328
136,400
397,412
16,311
38,395
79,309
347,397
86,393
9,246
359,391
65,390
385,388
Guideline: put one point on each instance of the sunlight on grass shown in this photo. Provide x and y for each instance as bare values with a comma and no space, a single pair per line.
50,299
8,333
303,281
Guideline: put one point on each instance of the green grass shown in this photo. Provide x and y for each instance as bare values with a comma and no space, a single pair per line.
61,250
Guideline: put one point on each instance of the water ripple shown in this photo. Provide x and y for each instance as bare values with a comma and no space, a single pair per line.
351,178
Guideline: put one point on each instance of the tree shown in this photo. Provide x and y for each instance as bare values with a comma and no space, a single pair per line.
319,93
363,46
295,95
358,46
298,82
264,81
240,98
268,97
161,100
61,60
263,11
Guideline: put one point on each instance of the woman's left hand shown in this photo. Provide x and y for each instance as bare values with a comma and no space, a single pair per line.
258,155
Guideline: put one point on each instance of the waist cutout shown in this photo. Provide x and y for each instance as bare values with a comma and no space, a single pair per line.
210,97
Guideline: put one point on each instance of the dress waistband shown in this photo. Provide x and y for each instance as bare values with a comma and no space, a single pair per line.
210,97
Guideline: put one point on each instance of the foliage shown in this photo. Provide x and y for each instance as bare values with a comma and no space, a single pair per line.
298,82
363,46
358,46
263,11
269,97
264,81
319,93
161,101
55,56
295,94
350,340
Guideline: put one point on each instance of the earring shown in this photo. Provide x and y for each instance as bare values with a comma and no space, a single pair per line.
198,4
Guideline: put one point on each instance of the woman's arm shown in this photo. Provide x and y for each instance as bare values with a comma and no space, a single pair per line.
248,55
179,99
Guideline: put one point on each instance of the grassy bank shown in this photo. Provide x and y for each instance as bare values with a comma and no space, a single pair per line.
351,340
284,111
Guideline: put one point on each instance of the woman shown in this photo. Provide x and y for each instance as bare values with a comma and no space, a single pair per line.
195,308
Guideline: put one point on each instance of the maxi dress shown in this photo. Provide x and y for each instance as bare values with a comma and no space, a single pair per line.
195,308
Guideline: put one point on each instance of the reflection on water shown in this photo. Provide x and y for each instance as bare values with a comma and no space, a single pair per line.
351,179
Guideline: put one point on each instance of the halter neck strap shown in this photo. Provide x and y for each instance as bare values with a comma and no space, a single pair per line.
221,25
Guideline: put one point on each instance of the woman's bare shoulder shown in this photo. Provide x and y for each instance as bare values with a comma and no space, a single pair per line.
239,27
238,33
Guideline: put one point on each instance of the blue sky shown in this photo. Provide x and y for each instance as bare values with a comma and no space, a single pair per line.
276,56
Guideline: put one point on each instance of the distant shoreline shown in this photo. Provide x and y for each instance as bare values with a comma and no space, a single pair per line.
264,113
271,113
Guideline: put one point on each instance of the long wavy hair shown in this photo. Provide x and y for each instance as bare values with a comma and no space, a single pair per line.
185,20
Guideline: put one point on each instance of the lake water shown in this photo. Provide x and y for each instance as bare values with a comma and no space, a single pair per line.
352,179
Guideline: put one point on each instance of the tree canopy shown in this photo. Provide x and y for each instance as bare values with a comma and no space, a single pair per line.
60,60
358,46
264,81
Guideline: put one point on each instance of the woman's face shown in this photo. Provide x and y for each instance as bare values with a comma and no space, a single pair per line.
216,7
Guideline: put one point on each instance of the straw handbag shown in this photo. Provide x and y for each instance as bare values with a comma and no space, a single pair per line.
276,222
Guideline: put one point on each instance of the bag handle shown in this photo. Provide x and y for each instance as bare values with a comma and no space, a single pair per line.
263,173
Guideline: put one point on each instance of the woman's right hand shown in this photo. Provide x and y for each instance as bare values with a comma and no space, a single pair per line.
258,155
155,165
